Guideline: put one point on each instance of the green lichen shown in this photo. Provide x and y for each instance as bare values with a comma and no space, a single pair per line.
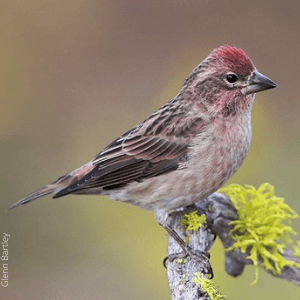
261,227
192,221
208,287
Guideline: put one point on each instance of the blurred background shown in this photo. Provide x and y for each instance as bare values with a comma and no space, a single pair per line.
77,74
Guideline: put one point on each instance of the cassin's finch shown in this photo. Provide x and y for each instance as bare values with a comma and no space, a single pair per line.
185,150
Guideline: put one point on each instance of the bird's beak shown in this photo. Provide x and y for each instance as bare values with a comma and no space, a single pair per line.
258,82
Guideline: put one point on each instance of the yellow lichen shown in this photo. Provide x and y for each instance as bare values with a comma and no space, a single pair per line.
192,221
260,227
208,287
180,261
297,249
187,239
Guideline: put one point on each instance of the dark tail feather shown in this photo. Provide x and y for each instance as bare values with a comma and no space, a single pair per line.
45,190
63,192
60,184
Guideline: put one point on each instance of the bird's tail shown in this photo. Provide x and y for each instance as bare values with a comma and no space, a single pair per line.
59,184
45,190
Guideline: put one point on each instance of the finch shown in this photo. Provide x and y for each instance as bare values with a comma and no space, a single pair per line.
184,151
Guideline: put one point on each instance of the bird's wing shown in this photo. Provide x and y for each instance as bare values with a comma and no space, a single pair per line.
156,146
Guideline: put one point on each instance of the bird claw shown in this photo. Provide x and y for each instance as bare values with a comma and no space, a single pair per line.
214,237
200,256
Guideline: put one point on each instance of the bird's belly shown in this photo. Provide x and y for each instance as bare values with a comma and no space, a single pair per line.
169,191
210,165
204,174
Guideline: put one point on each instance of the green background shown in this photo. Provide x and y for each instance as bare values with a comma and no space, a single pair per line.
74,75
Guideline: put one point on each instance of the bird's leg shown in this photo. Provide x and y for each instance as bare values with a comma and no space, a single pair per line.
162,219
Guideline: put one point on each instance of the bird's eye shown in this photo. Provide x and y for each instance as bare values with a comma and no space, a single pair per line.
231,78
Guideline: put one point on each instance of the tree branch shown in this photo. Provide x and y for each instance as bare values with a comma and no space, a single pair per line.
219,212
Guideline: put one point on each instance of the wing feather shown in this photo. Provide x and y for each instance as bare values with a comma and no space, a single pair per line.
157,146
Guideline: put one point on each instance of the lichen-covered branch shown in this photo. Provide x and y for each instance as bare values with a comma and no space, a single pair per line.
219,212
181,271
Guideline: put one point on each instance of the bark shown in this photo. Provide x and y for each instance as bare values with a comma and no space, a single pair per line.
219,212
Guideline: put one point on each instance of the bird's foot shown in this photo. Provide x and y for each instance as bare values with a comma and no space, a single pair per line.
195,255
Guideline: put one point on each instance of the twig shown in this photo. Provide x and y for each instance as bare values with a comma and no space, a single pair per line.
219,212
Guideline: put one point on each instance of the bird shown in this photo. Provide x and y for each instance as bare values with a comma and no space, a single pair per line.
183,152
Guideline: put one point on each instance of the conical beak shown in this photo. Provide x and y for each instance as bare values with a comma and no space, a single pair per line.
259,82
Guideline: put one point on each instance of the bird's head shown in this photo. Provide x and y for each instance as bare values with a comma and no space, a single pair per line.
226,81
